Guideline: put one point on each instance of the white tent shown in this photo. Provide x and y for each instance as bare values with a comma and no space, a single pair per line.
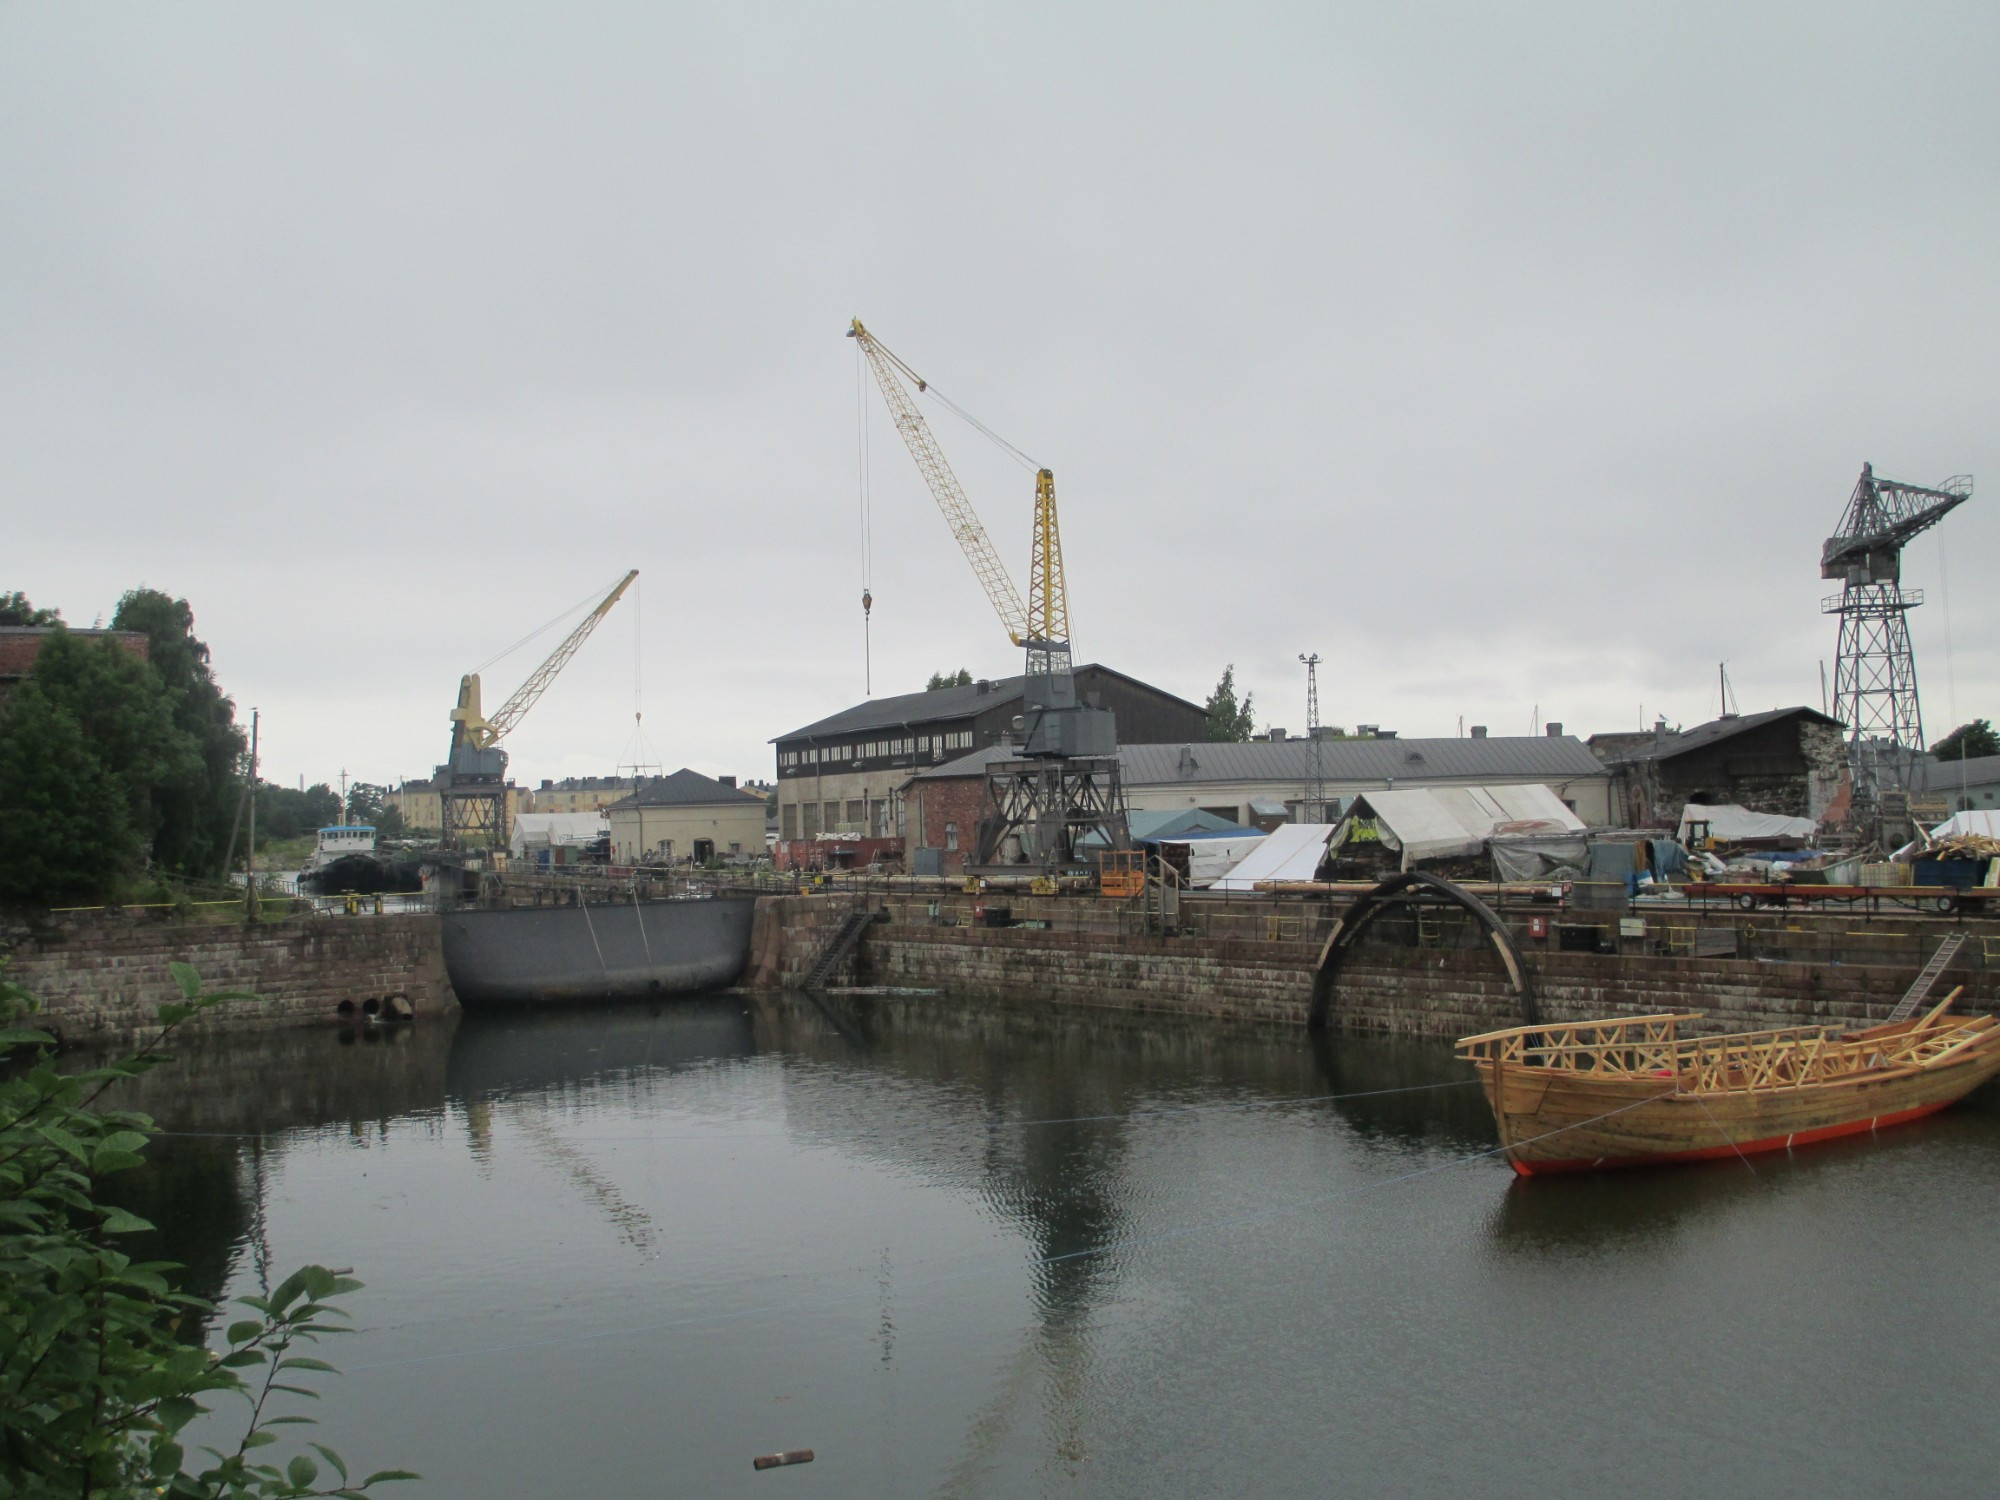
1209,859
1454,822
1985,822
556,828
1730,823
1290,852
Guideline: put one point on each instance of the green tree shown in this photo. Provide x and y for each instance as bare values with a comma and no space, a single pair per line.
1227,720
16,610
1968,741
126,717
197,803
97,1381
960,678
285,812
66,833
370,804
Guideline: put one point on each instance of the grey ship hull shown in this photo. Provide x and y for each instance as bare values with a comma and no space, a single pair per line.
557,954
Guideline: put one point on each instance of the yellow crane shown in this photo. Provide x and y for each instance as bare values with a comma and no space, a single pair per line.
472,782
1044,620
1040,808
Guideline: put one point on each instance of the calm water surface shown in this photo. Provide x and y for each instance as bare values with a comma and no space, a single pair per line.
965,1251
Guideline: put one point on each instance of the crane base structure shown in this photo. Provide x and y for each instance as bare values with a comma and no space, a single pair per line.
472,793
1036,813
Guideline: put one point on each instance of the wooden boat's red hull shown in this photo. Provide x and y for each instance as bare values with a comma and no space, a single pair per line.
1747,1148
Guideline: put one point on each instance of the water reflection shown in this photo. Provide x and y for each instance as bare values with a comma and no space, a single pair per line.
1002,1250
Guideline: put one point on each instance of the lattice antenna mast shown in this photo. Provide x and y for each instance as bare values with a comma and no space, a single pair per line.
1875,670
949,494
1312,732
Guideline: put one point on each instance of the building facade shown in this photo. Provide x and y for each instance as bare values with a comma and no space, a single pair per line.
577,794
686,818
845,774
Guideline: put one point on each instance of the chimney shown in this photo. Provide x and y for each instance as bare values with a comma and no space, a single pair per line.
1275,735
982,687
1553,729
1479,731
727,780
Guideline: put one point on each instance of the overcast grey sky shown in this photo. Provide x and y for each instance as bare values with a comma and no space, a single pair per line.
1512,357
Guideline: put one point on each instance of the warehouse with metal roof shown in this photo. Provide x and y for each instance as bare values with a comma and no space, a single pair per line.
1226,779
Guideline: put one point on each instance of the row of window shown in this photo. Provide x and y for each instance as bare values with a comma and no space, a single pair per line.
877,818
830,755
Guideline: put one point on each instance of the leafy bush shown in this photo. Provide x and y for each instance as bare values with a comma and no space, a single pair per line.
97,1383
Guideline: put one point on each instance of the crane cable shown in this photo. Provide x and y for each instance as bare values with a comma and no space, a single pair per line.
594,597
867,520
925,388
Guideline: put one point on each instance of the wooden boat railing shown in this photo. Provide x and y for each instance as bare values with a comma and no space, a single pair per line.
1651,1047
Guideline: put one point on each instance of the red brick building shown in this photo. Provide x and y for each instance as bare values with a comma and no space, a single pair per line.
21,644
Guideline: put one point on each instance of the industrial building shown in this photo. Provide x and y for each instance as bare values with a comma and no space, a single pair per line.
1970,785
846,773
1787,761
686,817
1263,782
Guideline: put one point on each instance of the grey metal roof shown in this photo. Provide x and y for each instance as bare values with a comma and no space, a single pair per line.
1944,775
1552,757
685,788
938,704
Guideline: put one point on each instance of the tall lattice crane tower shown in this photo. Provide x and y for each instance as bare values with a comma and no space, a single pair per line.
1874,670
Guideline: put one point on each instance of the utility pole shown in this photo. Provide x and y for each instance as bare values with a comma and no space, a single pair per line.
1311,664
250,870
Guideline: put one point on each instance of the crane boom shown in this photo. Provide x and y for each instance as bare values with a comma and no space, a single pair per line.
471,728
950,496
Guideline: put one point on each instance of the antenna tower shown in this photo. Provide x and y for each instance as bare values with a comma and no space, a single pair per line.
1874,670
1311,664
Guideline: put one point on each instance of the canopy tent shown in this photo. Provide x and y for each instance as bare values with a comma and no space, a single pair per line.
1455,822
1736,825
1293,852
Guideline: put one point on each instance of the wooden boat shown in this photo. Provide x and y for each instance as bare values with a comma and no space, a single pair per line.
1636,1092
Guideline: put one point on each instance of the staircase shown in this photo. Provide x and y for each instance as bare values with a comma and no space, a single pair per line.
1920,987
826,963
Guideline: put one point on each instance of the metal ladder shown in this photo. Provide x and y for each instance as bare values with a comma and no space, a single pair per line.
1920,987
845,936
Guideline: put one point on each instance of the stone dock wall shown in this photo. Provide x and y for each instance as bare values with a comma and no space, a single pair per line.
101,976
1256,962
